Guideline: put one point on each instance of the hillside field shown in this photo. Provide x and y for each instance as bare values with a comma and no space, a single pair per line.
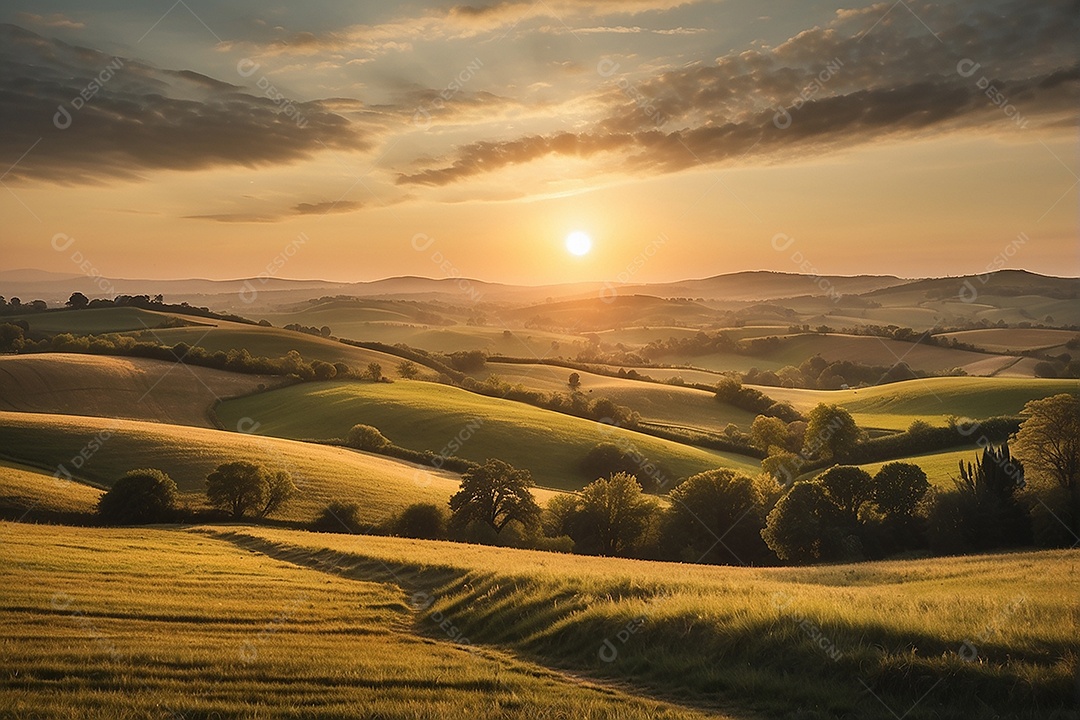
428,416
131,388
381,485
164,624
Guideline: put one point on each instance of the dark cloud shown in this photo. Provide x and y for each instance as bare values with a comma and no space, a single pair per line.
870,74
91,116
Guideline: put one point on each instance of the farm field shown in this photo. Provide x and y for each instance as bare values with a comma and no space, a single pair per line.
381,485
427,416
100,320
131,388
24,489
1013,339
894,631
152,623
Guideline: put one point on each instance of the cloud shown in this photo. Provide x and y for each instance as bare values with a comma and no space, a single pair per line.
55,20
864,77
89,117
325,207
456,23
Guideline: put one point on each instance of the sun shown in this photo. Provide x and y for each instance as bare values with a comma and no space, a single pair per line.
578,243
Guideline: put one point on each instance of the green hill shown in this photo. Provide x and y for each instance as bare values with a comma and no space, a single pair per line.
428,416
99,451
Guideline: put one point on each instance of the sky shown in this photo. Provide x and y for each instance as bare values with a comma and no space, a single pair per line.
359,140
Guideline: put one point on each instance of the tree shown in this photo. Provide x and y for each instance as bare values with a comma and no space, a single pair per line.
323,370
280,489
325,331
850,488
339,517
138,498
1048,441
407,369
374,372
897,490
803,527
615,514
717,516
495,494
77,301
831,433
574,381
768,432
366,437
12,338
240,488
425,521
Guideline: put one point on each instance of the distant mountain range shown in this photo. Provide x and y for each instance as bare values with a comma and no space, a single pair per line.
753,286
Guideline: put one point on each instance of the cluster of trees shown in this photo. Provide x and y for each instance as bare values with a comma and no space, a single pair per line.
818,373
241,489
731,391
843,514
323,331
570,403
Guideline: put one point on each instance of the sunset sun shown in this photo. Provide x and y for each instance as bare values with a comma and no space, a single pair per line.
578,243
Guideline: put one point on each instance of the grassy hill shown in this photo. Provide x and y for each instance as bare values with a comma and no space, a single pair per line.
99,320
427,416
25,490
783,642
661,404
896,405
273,342
132,388
151,623
1014,339
381,485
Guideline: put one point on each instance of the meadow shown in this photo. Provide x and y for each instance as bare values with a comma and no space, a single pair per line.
99,450
165,624
428,416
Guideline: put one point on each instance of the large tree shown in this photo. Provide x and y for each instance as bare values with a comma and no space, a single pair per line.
717,516
1048,442
831,433
138,498
77,301
245,488
495,494
614,514
850,488
804,525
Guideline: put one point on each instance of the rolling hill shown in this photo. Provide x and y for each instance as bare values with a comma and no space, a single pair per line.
120,387
98,451
428,416
25,490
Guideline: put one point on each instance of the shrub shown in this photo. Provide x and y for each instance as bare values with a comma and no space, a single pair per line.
366,437
424,521
339,517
